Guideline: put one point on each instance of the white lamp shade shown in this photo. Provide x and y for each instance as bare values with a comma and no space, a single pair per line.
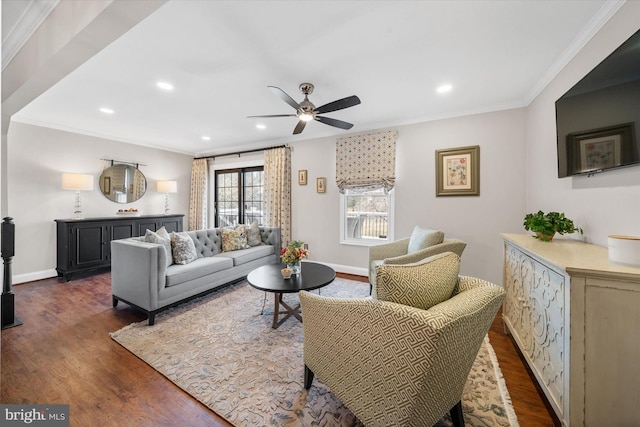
167,186
77,181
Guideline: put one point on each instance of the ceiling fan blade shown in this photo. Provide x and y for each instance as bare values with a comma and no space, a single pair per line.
299,127
333,122
283,95
347,102
274,115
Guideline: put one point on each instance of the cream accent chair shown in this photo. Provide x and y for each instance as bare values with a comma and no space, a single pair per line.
398,252
395,364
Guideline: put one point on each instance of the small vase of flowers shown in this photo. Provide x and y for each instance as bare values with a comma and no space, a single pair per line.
292,254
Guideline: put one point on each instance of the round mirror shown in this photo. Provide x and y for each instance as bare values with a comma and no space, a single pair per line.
123,183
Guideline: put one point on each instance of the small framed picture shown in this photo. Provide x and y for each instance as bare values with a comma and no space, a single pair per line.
302,177
321,185
458,171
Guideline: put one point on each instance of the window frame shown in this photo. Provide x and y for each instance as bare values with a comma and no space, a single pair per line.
344,240
241,171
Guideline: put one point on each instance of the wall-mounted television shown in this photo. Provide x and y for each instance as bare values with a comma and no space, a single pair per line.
597,119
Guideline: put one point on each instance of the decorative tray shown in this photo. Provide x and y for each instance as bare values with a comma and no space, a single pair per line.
128,213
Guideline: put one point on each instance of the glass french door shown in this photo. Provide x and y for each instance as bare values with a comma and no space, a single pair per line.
239,196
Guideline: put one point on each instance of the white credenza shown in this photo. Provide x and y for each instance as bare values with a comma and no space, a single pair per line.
576,319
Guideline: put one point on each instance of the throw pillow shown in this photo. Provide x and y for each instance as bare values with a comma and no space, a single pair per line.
423,238
163,238
183,248
422,284
253,234
232,240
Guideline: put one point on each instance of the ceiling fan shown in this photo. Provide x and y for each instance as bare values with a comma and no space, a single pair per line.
306,111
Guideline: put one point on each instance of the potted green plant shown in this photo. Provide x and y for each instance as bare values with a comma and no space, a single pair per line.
546,225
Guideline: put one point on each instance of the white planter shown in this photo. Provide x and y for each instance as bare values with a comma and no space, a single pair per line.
624,250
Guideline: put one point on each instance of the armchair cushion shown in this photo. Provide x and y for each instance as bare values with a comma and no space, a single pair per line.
422,284
423,238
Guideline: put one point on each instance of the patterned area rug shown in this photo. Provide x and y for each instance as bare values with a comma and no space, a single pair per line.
221,350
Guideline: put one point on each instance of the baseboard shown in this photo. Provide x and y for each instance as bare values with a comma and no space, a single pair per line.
348,269
36,275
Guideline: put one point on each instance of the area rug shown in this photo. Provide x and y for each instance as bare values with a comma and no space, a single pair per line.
222,350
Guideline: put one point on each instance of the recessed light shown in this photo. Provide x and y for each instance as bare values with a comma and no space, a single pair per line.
206,138
164,86
106,110
260,126
444,88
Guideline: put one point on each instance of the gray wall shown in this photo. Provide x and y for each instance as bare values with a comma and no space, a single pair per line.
38,156
604,204
476,220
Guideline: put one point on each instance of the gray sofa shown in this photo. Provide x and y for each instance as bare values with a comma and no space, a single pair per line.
141,276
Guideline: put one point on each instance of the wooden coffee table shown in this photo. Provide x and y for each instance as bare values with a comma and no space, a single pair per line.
268,278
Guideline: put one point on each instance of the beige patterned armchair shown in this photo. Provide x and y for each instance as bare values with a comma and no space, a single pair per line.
394,364
398,253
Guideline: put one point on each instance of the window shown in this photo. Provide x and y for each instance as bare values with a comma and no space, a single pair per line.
366,216
239,196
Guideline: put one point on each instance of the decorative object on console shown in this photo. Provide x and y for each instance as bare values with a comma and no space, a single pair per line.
458,171
293,254
546,225
624,250
167,187
128,212
78,182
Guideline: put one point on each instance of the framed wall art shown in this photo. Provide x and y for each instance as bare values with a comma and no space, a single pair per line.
302,177
321,185
458,171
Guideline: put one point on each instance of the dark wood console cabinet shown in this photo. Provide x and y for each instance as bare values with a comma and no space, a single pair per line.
84,245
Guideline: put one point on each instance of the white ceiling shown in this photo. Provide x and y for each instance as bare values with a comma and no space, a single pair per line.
222,55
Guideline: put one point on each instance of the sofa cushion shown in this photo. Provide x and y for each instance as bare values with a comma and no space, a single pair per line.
177,274
253,234
207,242
422,238
182,247
233,240
244,256
161,237
422,284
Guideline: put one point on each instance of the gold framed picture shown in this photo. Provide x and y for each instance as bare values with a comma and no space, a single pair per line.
321,185
302,177
458,171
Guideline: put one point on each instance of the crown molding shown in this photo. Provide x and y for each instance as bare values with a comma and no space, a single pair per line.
597,22
27,23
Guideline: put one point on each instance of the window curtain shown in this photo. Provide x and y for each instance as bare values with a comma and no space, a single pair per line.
366,161
198,196
277,188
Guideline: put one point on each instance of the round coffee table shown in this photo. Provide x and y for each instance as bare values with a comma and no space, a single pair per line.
268,278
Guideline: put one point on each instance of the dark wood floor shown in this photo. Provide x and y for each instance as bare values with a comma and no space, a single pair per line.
63,354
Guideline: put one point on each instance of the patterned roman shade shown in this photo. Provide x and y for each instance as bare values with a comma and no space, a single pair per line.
366,161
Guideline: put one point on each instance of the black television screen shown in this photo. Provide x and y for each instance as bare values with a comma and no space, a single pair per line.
596,120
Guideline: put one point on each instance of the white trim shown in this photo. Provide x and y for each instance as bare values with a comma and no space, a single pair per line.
36,275
593,26
346,269
368,242
27,23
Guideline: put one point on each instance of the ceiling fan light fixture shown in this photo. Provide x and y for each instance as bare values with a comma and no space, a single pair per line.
306,117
